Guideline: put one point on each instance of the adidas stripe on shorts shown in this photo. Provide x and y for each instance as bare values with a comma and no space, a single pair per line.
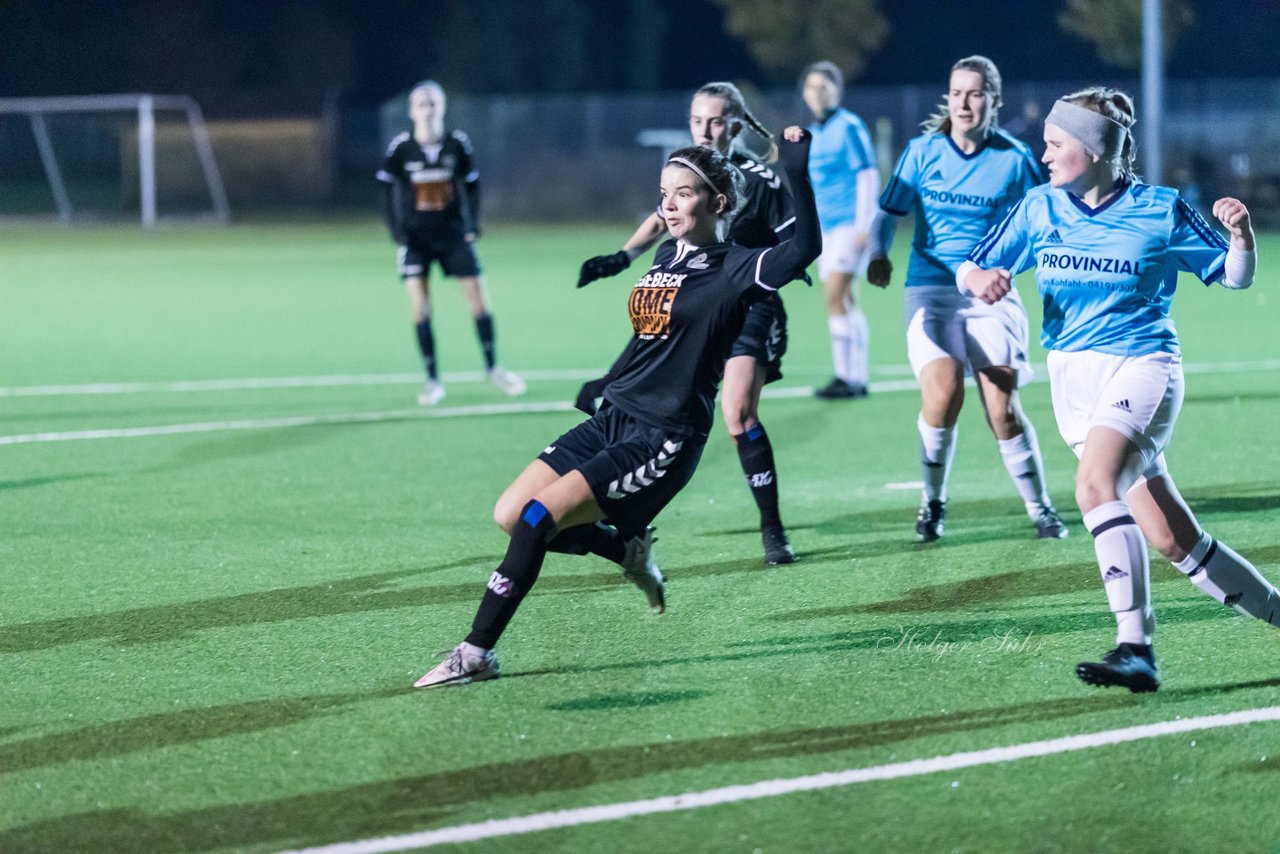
1138,396
634,469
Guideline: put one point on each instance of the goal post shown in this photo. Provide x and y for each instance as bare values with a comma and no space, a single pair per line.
143,107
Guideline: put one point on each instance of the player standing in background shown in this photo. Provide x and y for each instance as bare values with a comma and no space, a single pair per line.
431,204
959,179
846,184
633,456
1107,250
717,117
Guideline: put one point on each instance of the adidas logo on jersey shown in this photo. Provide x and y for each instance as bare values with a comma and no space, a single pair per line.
1122,405
936,176
1115,573
1054,237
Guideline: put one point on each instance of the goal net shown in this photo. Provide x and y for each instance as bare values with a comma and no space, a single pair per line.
108,156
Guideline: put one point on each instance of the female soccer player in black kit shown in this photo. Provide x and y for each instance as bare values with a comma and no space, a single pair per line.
431,203
625,463
717,116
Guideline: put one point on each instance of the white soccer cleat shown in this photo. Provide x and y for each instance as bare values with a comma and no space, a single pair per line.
507,382
463,665
639,568
431,394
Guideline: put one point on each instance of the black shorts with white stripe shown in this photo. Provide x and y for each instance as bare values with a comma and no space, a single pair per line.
764,336
634,469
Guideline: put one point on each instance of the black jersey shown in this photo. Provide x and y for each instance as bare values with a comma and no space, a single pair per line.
765,218
686,311
438,184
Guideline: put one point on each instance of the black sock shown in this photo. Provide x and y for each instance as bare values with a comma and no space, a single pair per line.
756,455
484,330
427,347
515,576
597,539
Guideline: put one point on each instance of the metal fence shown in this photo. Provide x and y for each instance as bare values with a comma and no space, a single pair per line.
577,157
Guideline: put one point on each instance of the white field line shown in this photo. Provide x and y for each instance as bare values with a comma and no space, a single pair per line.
477,376
357,418
395,415
774,788
299,421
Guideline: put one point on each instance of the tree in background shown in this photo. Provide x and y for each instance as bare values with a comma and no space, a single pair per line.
1115,27
785,37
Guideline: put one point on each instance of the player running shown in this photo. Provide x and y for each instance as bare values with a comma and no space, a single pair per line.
431,204
717,117
1107,250
625,463
960,178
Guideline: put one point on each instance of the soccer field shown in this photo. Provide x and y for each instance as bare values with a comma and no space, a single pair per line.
230,542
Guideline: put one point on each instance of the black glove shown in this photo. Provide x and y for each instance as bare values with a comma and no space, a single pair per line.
603,265
795,155
587,395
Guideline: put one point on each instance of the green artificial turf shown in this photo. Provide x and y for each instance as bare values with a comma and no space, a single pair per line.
207,638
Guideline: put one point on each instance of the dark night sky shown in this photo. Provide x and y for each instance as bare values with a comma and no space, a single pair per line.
220,49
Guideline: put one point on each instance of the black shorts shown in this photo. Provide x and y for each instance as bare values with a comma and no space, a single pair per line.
456,255
634,469
764,336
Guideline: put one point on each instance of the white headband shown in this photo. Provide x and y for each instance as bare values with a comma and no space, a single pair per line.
688,165
1101,136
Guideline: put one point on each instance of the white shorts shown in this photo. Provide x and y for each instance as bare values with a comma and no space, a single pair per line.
838,254
1137,396
944,323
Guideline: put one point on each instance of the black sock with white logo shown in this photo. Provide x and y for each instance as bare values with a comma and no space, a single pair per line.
515,576
756,455
427,347
597,539
484,331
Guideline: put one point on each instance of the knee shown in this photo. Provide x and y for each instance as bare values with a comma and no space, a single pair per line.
505,515
738,416
1093,490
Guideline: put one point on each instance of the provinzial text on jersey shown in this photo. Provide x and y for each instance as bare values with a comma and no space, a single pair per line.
949,198
1086,264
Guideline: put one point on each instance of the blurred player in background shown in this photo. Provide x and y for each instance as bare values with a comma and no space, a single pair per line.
1107,251
959,179
717,117
846,184
431,204
639,449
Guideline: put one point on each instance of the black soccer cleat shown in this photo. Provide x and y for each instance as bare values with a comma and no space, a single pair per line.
838,389
777,549
1124,666
931,521
1049,525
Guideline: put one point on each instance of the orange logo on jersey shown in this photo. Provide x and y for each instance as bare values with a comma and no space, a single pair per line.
650,310
432,189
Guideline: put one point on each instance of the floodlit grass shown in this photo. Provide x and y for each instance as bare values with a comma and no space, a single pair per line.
208,638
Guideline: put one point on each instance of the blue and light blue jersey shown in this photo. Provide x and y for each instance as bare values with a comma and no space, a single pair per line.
956,198
841,148
1106,275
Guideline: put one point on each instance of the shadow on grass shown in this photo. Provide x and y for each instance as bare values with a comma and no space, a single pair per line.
152,732
642,700
159,623
359,594
412,803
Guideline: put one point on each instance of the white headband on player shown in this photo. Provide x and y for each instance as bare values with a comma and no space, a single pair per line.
689,165
1101,136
